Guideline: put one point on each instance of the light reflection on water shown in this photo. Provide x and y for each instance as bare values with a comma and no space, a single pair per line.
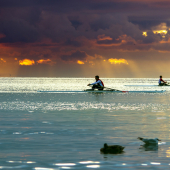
41,168
66,131
30,85
59,106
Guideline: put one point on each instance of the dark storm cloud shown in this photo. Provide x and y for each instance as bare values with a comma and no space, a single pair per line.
151,37
77,24
78,55
31,15
72,43
146,23
50,5
114,41
161,4
117,6
17,30
26,3
76,5
100,24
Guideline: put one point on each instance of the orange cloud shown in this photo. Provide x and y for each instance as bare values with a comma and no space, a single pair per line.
117,61
96,56
42,61
2,60
26,62
123,39
165,42
92,63
103,37
80,62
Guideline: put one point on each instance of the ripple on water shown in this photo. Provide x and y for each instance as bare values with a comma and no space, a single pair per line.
41,168
59,106
27,162
81,133
14,167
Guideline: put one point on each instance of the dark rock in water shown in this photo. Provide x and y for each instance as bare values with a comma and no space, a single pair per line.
112,149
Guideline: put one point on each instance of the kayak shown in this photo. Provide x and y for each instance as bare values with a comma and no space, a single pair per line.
104,91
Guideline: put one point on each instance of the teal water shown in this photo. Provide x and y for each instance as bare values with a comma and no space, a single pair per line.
46,131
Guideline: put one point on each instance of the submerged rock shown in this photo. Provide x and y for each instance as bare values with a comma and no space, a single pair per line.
112,149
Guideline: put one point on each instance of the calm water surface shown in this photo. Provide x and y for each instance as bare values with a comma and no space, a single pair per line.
55,131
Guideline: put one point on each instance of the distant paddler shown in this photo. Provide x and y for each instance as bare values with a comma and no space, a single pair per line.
162,82
98,84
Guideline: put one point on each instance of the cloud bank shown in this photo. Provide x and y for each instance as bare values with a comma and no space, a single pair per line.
72,33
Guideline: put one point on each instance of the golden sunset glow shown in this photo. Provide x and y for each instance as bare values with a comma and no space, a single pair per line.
160,31
91,63
165,42
42,61
84,45
135,68
80,62
145,34
3,60
26,62
117,61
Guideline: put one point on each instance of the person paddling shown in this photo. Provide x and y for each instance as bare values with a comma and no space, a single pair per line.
98,84
162,82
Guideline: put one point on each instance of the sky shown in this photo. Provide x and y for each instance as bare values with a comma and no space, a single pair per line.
84,38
